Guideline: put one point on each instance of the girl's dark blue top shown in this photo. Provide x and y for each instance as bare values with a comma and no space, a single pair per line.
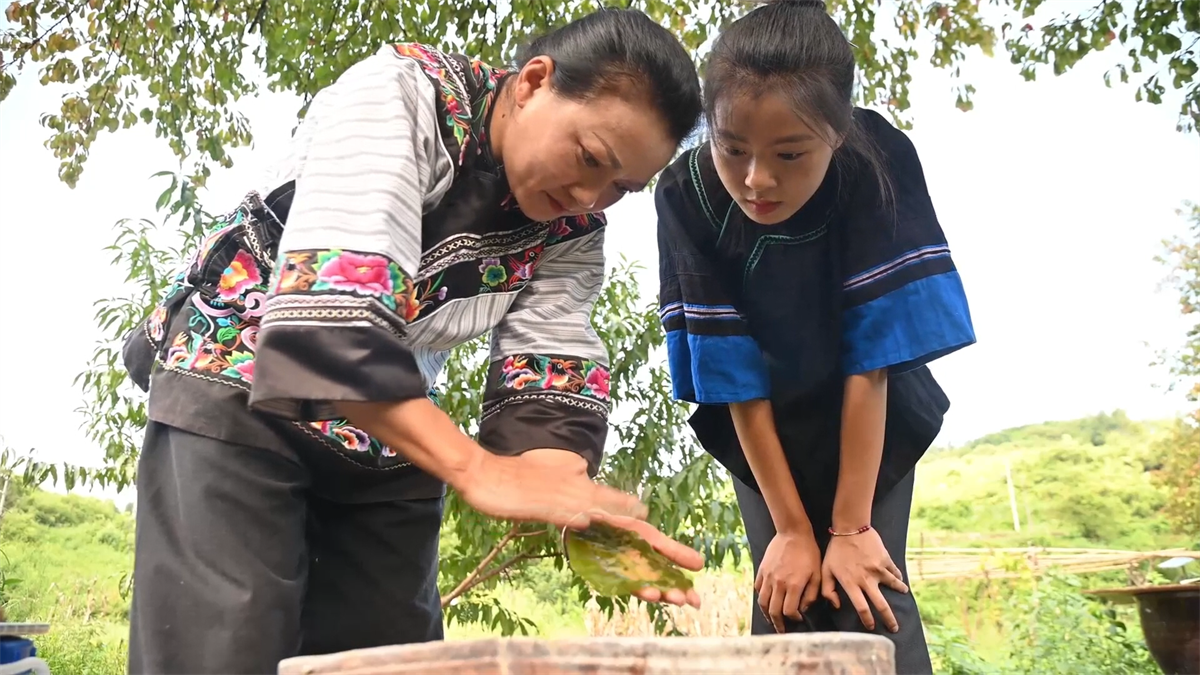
855,281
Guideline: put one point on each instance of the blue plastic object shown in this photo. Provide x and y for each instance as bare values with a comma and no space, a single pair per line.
14,649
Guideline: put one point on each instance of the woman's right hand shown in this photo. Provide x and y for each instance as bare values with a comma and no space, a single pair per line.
552,486
531,487
789,577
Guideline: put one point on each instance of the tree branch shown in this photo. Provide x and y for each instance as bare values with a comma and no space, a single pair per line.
478,576
20,52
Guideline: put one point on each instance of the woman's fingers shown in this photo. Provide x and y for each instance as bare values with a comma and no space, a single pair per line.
680,554
614,502
649,594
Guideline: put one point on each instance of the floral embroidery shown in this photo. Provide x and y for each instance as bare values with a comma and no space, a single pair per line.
417,297
346,271
215,331
156,326
356,440
241,275
511,274
352,438
465,121
535,371
337,270
574,226
220,338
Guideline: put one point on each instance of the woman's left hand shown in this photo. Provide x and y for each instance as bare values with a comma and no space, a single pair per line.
860,563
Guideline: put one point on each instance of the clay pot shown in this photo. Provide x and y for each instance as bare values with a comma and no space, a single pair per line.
1170,618
824,653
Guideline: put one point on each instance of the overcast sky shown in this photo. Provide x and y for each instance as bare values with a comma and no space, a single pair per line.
1055,196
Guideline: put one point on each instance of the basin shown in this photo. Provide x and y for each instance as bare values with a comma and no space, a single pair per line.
793,654
1170,618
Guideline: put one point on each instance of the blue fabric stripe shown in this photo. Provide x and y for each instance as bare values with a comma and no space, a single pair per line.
716,368
909,327
679,362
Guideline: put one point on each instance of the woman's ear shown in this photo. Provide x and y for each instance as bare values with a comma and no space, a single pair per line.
534,76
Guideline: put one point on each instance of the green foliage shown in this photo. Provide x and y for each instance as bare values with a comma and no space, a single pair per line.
182,65
1095,429
1050,628
1180,450
84,648
188,63
1180,477
1160,37
1064,632
1070,492
649,453
69,557
952,654
66,560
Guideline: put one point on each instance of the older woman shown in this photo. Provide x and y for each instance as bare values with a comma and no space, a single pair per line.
291,481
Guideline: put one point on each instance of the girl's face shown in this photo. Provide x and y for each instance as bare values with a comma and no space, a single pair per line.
564,157
770,160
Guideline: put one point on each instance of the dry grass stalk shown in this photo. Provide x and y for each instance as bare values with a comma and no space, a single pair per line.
725,612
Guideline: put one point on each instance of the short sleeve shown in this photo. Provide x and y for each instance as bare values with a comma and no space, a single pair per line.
547,382
903,299
336,316
710,353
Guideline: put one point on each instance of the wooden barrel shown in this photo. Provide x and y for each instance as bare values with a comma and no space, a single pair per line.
823,653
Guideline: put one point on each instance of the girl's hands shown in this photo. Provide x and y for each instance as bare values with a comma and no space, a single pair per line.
789,577
860,563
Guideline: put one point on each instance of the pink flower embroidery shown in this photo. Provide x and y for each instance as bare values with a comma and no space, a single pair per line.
559,228
157,323
246,370
241,274
367,274
597,382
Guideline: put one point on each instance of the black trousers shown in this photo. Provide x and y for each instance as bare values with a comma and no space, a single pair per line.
240,565
889,517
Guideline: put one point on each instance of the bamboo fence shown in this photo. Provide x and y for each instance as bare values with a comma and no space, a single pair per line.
928,564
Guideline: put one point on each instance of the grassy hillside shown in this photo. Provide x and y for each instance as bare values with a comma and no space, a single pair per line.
66,559
1078,483
1084,483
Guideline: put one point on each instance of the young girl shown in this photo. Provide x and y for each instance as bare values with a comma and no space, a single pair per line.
806,282
291,480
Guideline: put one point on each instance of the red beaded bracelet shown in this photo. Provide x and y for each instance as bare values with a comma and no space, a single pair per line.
860,530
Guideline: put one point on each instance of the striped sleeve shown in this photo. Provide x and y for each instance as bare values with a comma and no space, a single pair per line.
712,357
368,158
547,383
904,304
